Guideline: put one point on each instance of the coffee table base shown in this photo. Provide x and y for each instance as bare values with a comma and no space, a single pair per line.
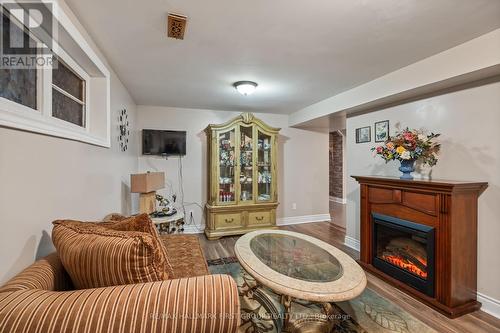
309,323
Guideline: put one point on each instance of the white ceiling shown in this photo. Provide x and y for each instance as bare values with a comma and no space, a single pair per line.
299,52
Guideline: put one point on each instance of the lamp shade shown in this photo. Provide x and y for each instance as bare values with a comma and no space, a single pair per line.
147,182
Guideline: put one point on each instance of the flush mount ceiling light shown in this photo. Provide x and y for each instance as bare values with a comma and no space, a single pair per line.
245,87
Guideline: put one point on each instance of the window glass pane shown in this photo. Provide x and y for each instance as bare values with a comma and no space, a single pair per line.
226,166
264,164
65,79
18,85
67,109
246,163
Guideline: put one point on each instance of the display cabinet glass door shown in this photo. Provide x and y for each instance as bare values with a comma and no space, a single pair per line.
246,163
264,163
226,147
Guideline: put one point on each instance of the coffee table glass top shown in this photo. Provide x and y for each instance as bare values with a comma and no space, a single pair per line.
295,257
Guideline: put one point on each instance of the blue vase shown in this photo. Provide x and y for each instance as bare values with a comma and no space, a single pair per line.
407,167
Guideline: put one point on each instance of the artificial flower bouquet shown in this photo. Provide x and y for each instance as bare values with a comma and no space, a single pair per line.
410,145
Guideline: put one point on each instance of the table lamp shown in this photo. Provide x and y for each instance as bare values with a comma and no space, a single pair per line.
146,184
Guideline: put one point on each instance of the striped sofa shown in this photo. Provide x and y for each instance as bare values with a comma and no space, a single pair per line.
41,299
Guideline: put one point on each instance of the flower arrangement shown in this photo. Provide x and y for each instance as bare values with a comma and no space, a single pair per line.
410,145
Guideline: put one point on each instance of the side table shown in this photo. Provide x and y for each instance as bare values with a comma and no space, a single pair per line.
170,224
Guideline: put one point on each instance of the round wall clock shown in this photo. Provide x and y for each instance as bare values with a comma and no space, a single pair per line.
123,126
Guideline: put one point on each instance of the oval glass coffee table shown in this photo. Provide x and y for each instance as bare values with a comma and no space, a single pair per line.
300,267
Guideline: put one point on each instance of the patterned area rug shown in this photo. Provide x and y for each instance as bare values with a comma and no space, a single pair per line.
262,312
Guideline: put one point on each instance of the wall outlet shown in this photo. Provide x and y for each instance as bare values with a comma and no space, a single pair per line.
294,206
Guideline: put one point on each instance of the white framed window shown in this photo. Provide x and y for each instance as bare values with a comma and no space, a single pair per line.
69,93
22,87
70,99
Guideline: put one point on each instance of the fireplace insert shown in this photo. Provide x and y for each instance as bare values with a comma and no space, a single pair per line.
405,251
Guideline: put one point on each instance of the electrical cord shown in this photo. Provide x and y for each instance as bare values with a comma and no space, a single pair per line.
181,185
170,190
184,204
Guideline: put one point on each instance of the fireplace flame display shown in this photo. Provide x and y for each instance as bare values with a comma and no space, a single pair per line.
407,254
402,263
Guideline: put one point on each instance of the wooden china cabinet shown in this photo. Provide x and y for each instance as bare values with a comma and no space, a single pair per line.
242,188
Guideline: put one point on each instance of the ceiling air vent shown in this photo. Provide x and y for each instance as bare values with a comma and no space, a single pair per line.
176,26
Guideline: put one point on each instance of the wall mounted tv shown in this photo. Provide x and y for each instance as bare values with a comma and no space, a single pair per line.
160,142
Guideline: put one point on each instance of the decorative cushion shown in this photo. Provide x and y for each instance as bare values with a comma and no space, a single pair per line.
114,217
100,254
142,223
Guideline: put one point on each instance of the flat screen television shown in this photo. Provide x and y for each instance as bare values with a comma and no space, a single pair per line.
161,142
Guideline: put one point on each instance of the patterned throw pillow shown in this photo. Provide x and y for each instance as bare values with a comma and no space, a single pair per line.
113,253
142,223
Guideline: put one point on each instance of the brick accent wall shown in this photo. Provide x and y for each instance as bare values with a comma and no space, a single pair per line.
336,165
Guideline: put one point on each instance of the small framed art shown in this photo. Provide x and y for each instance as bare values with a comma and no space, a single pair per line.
381,131
364,134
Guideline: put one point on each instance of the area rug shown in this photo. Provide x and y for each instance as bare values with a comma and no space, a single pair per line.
262,312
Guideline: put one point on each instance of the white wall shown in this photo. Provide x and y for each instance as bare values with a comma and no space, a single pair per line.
44,178
302,170
469,121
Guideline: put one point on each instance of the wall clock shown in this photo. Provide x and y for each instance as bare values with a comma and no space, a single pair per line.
124,132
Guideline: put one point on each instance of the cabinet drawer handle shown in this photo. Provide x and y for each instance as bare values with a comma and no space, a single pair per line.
229,220
259,218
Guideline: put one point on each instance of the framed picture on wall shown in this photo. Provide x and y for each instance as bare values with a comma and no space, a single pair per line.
364,134
381,131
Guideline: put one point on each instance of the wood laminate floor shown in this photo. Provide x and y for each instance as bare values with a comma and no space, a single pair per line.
477,322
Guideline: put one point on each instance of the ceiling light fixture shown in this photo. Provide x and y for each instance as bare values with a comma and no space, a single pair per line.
245,87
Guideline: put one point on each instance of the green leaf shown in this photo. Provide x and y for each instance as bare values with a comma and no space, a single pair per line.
385,318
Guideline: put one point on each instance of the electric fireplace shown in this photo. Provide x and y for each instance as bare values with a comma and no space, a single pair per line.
421,237
405,251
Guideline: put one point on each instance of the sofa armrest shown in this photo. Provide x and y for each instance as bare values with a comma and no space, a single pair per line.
207,303
47,273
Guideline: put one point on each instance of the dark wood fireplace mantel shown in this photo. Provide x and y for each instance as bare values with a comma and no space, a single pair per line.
450,207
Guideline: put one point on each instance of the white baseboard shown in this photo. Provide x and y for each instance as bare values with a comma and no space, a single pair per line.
303,219
490,305
353,243
194,229
338,200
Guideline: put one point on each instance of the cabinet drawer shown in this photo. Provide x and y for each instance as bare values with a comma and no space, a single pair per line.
259,217
232,220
